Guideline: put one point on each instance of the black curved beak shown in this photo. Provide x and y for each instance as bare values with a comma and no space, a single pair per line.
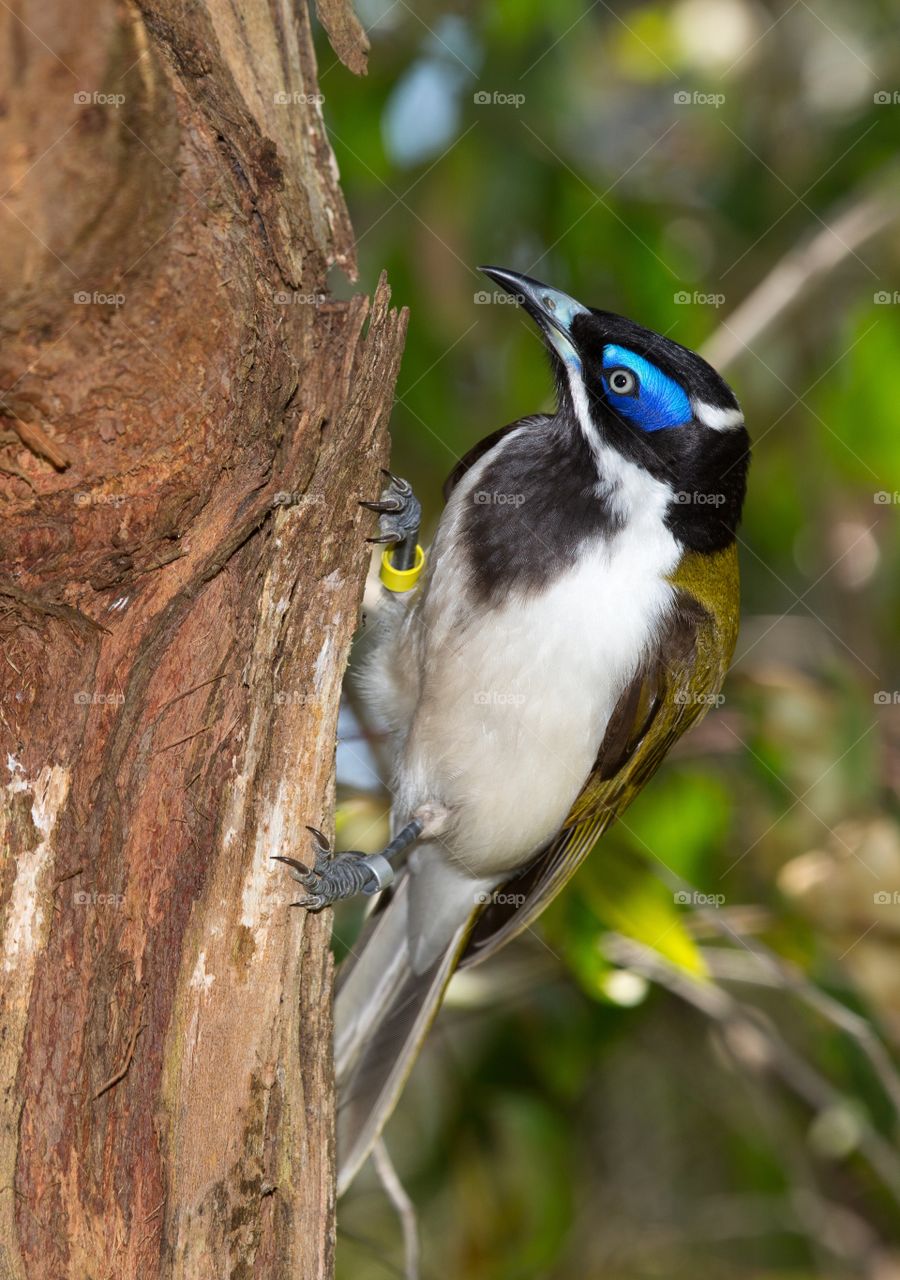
552,309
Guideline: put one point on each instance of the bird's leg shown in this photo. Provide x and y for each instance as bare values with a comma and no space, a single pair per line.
343,875
400,514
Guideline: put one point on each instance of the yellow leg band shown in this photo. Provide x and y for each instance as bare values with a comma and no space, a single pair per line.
401,579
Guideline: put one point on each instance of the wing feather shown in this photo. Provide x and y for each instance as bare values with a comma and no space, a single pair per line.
468,460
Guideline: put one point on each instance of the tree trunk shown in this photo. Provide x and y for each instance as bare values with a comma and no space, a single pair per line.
186,427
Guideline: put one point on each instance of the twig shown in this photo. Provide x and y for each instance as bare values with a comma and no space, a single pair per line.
70,875
406,1210
760,966
123,1070
772,970
799,271
808,1084
36,439
186,693
187,738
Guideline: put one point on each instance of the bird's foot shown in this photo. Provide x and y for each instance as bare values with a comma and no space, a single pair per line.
342,875
399,515
336,876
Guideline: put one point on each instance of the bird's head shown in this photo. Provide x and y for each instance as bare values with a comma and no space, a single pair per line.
651,400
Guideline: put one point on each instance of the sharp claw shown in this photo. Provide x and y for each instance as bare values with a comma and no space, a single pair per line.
320,839
392,538
403,486
312,902
292,862
385,508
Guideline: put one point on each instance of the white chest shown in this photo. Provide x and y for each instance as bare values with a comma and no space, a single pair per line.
514,699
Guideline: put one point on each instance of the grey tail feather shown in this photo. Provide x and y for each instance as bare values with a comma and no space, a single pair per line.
383,1011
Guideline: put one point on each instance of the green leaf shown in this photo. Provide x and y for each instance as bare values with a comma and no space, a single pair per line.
616,892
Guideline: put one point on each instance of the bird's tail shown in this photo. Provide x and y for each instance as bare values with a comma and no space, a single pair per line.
388,996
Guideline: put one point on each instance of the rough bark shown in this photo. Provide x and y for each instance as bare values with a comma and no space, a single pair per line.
182,560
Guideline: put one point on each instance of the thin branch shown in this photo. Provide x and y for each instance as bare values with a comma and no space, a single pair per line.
801,270
35,438
406,1210
789,977
123,1070
187,738
760,966
761,1043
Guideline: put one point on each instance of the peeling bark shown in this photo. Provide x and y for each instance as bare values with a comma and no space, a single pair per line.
182,559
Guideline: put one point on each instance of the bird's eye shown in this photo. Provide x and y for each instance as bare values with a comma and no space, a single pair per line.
622,381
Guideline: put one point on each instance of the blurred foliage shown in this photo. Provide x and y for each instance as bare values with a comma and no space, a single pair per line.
691,1067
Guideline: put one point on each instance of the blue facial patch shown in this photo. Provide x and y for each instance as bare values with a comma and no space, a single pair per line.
655,402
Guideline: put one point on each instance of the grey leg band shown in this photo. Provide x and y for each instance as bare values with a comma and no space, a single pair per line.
382,873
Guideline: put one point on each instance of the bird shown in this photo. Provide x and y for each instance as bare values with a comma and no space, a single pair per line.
577,613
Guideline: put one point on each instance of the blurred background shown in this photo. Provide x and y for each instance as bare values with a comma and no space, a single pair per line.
692,1067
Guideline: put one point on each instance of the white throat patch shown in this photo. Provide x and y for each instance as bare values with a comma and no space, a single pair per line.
623,483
